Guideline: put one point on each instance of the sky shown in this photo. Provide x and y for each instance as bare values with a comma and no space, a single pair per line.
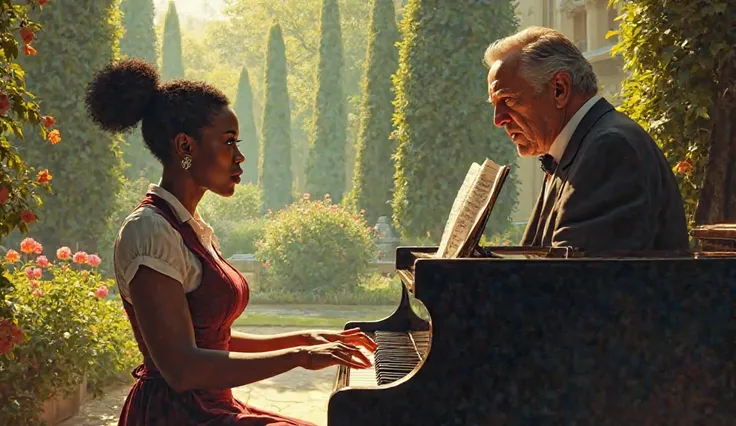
191,8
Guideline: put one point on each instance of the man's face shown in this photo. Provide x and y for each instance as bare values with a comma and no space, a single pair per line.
529,119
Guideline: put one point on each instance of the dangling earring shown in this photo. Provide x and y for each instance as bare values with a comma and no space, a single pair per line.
186,163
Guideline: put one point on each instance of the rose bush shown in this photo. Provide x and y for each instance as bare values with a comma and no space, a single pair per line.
316,246
65,328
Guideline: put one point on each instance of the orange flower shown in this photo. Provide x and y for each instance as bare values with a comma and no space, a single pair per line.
79,257
684,167
27,35
54,137
4,195
44,176
63,253
29,50
12,256
49,121
29,245
4,103
27,217
42,2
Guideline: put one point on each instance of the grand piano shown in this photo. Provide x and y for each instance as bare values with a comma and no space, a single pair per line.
520,336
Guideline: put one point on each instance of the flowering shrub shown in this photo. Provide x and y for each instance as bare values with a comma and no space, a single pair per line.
65,328
316,246
18,183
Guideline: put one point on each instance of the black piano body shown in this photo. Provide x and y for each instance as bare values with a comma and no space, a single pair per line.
555,338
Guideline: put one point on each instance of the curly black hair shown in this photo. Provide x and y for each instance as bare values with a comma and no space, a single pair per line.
125,92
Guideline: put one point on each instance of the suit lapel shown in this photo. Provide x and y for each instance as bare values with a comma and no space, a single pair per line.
545,225
596,112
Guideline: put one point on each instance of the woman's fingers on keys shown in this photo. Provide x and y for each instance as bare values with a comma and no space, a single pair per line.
361,340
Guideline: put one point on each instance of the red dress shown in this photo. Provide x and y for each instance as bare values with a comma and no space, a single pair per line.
214,305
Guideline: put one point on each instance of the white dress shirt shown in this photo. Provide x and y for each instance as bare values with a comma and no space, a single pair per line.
560,143
147,238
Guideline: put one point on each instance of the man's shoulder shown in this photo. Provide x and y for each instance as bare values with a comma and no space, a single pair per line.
617,132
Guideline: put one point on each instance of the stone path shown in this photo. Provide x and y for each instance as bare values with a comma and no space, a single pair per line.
298,393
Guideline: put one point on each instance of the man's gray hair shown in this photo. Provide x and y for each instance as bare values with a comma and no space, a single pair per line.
543,53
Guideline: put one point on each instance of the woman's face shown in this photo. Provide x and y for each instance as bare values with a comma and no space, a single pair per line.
215,157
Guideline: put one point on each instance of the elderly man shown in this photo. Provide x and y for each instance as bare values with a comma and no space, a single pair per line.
607,187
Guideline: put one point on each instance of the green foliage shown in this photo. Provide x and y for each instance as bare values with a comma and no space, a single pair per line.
443,120
70,330
242,237
326,166
139,41
18,185
679,58
83,36
238,41
222,213
373,179
316,246
248,133
172,66
275,161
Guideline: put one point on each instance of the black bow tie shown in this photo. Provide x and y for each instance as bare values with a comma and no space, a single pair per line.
548,164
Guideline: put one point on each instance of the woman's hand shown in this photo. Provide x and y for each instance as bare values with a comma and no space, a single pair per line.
353,337
326,355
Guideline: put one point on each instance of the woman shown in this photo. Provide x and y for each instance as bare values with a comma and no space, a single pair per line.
180,295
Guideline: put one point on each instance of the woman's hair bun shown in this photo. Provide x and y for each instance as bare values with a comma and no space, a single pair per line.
119,94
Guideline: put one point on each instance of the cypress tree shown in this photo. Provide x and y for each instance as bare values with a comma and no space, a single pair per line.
172,66
275,161
443,119
139,41
87,166
326,163
373,179
248,134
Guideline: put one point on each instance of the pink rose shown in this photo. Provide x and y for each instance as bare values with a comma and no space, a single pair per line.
101,292
42,261
93,260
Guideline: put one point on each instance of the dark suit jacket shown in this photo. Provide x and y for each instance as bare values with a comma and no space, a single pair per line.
612,190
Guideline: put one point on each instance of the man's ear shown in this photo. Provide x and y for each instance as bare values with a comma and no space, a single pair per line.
562,89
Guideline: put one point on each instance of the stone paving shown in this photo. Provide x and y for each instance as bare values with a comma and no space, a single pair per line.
298,393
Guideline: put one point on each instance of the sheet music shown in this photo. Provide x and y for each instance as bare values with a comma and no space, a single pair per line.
457,206
472,204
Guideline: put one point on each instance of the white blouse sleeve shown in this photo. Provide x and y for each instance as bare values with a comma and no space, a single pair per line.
148,239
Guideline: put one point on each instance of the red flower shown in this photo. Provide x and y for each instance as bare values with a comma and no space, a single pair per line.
4,103
4,194
27,35
27,217
49,121
684,167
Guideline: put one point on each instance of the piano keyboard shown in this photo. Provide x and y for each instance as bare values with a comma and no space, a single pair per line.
396,356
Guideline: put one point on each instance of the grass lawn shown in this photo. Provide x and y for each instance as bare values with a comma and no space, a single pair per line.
332,316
